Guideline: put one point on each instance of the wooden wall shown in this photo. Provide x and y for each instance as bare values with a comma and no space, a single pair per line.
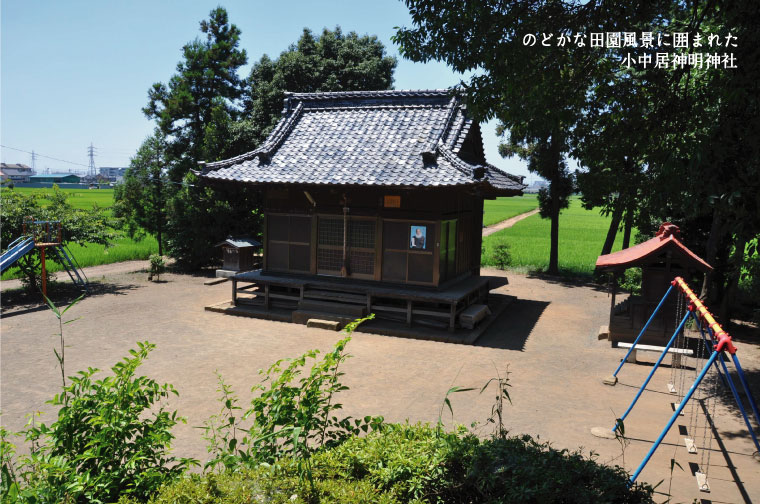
301,237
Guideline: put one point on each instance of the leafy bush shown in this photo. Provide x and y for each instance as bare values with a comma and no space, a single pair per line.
111,438
632,281
157,266
501,256
413,463
293,414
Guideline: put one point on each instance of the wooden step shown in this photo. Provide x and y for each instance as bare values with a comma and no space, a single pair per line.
303,317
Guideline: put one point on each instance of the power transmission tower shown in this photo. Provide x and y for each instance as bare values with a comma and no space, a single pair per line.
34,161
91,154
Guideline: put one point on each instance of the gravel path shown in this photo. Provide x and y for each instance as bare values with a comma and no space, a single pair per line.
489,230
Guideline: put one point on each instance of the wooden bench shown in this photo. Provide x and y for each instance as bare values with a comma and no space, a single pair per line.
675,352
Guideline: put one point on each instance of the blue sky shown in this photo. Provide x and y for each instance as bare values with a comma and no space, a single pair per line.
78,71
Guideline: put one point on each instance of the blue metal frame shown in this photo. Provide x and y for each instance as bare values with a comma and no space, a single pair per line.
715,358
743,379
673,418
739,403
711,345
656,365
643,330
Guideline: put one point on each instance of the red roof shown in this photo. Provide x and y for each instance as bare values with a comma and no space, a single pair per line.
639,255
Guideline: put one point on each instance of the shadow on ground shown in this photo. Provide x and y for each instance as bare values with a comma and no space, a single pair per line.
569,281
21,301
513,327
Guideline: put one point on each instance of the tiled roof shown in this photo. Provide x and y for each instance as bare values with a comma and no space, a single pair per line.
643,253
380,138
239,242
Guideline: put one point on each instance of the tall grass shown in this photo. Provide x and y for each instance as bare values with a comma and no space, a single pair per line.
504,208
581,236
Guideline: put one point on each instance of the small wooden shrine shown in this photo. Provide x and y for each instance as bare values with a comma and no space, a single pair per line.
237,255
661,259
373,202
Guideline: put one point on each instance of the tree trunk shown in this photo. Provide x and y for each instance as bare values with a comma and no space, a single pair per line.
628,228
554,251
554,192
617,214
711,251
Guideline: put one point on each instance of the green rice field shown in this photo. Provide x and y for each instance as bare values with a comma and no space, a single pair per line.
123,249
77,198
504,208
581,236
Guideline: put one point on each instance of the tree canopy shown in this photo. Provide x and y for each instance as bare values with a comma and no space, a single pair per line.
538,94
673,142
207,112
205,84
140,201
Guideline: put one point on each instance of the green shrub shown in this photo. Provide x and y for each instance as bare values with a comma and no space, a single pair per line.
293,413
157,265
111,438
502,258
632,281
413,463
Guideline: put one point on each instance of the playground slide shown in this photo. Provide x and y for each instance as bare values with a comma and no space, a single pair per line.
17,249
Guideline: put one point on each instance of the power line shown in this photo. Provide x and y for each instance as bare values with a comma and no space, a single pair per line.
88,166
43,156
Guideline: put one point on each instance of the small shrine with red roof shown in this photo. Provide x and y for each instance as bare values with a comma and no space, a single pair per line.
661,259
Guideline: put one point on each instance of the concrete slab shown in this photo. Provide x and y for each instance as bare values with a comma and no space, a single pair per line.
331,325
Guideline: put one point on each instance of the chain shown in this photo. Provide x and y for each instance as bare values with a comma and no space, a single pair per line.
676,370
707,437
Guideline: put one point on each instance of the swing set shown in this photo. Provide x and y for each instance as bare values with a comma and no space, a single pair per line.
714,343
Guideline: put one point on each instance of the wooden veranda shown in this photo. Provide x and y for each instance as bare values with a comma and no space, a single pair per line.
307,295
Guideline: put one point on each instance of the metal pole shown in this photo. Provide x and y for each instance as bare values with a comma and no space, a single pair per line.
44,276
743,379
738,400
643,330
711,345
673,418
651,373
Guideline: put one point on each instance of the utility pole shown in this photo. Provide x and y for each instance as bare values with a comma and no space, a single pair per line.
91,154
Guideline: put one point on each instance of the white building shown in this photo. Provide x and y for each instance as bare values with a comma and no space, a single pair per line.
112,172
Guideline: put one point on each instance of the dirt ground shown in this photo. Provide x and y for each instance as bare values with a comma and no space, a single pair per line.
489,230
547,338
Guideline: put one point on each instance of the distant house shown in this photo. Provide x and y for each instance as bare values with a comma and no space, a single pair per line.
56,178
536,187
16,173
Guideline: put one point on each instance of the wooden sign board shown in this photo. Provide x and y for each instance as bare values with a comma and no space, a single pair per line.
392,201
